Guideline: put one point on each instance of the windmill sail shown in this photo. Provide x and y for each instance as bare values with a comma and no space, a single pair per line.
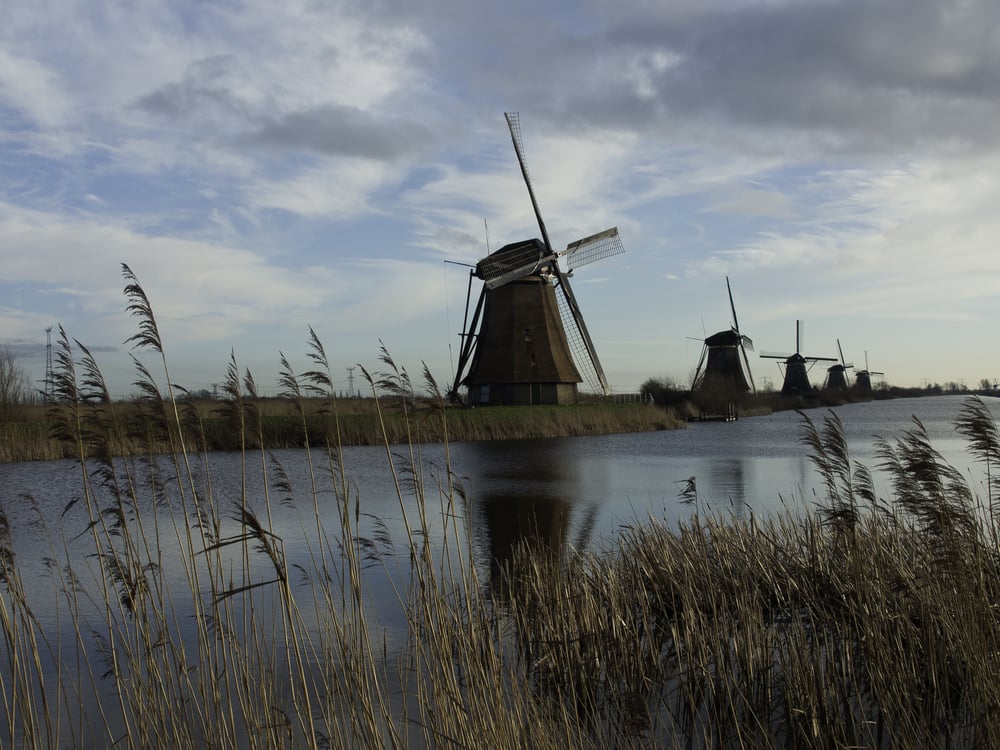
578,337
514,125
595,247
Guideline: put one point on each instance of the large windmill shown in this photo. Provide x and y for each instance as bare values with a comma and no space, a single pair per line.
863,378
797,366
836,375
527,342
723,358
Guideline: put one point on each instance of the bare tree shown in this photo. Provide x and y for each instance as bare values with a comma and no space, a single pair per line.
14,384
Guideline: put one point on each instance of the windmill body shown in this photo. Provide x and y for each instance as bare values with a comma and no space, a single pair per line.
863,378
797,367
723,365
723,357
527,342
796,376
836,379
836,375
522,355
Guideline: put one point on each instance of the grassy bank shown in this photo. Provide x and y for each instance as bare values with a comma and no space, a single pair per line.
183,620
357,422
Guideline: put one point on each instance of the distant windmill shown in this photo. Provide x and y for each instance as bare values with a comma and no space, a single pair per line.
527,342
863,378
836,375
797,366
723,358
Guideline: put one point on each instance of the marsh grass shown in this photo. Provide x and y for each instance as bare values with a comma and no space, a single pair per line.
359,421
870,622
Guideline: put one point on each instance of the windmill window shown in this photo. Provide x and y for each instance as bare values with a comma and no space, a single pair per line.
527,334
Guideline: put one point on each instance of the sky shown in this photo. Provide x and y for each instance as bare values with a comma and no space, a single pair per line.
266,167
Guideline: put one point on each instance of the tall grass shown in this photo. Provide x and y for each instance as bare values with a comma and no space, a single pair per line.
870,622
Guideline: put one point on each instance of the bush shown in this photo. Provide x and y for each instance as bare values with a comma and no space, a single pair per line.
14,385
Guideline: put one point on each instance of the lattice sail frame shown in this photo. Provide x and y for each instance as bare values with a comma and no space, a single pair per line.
596,247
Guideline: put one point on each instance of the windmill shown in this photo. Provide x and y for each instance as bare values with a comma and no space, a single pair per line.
863,379
527,342
720,365
797,366
836,375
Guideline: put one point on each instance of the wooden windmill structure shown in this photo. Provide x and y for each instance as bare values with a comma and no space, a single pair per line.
863,379
723,358
527,342
797,366
836,375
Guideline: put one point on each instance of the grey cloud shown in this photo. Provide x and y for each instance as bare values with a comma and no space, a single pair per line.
345,131
25,349
203,93
892,73
833,76
206,95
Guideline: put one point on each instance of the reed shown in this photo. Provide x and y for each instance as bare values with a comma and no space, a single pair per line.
870,621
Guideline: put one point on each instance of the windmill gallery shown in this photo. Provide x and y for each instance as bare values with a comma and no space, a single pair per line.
527,342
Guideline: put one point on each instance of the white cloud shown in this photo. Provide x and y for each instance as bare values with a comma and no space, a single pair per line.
31,90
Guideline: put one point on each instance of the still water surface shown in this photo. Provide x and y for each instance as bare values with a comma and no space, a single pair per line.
593,486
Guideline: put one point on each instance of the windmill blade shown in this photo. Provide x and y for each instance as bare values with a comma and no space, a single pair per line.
514,125
595,247
746,361
577,334
775,355
469,337
695,381
736,323
842,360
745,342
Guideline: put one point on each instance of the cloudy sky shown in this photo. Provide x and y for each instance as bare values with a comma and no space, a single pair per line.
264,167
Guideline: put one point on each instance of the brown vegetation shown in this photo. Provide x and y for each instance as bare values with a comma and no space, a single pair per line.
357,422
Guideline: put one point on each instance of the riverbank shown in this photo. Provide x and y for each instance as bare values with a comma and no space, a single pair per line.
138,427
131,428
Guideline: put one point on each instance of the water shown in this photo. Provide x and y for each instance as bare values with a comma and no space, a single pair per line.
592,486
555,492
